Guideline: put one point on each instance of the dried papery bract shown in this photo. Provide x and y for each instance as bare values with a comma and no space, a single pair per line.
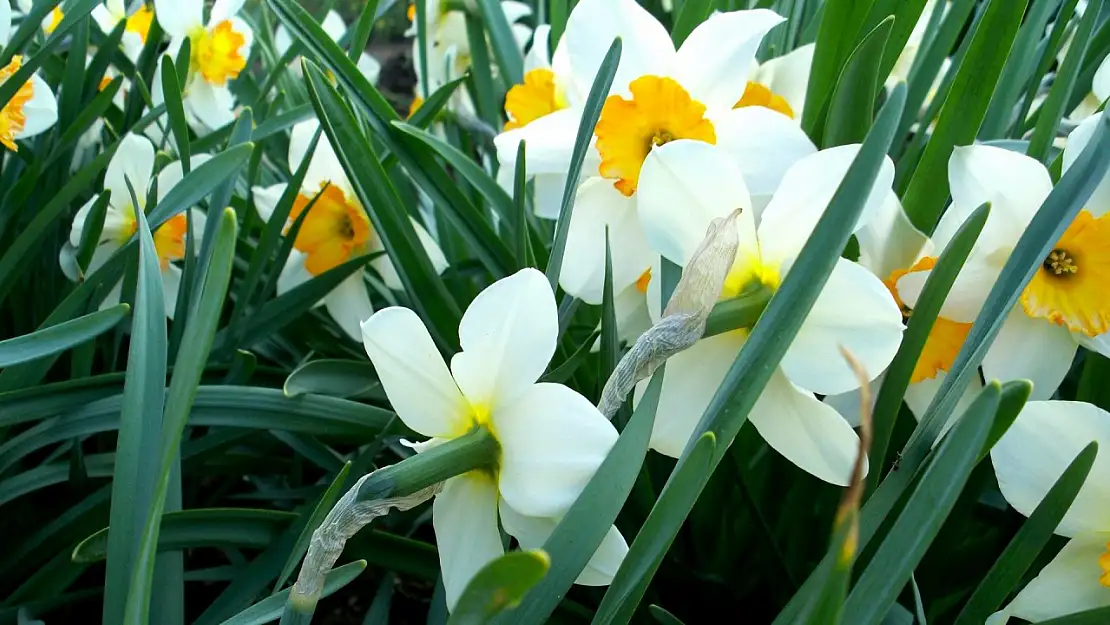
684,318
345,520
850,502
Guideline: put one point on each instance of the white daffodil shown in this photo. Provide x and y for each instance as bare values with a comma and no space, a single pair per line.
133,163
1028,460
335,230
659,94
52,19
136,30
551,439
335,27
219,50
90,141
32,110
780,83
901,70
693,182
1065,304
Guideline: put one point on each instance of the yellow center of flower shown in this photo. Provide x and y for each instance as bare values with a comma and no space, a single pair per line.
169,238
55,18
535,97
945,338
749,272
1104,564
1069,289
139,23
335,230
411,12
12,116
643,281
756,94
216,53
415,105
659,112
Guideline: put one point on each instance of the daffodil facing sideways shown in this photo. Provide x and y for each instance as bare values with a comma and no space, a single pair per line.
551,439
659,94
1065,304
780,83
137,24
32,111
854,310
336,230
335,27
133,164
219,49
1028,459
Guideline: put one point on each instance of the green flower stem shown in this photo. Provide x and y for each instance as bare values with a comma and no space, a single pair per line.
403,485
738,312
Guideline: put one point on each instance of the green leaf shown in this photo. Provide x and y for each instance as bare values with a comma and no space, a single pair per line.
610,339
662,616
853,100
435,103
749,374
175,110
689,15
1014,396
140,428
655,537
90,234
1052,110
963,109
580,532
505,49
380,201
924,513
199,183
591,111
190,364
56,339
269,609
334,378
499,587
888,402
841,24
906,14
1026,545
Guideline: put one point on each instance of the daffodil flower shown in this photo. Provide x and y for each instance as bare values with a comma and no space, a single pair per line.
52,19
136,30
219,50
1100,90
1065,304
335,27
336,229
31,111
780,83
133,163
854,310
551,439
1029,458
659,94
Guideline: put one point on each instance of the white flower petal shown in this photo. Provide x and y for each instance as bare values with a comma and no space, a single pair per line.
41,110
282,42
349,304
1099,344
178,17
5,23
805,193
464,515
967,294
369,67
600,208
765,144
547,194
689,382
806,432
1030,349
549,142
685,185
706,63
508,336
212,105
854,311
552,442
1099,202
1013,183
646,47
889,241
413,373
134,162
1066,585
1100,84
225,10
435,254
848,404
1041,443
788,76
171,284
172,174
533,532
334,25
537,56
920,395
266,199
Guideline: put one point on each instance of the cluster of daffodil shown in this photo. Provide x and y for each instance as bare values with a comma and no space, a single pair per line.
687,135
